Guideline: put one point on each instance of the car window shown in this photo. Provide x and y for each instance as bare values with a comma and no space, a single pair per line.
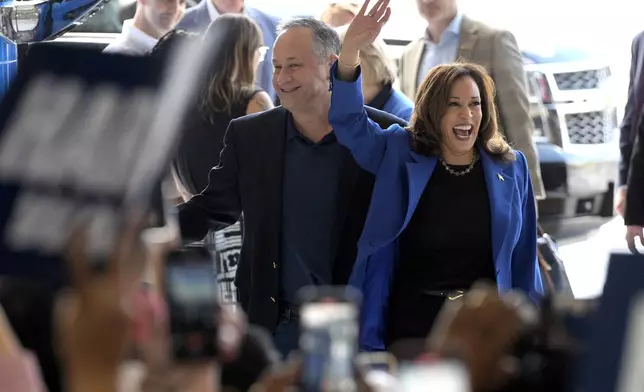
109,19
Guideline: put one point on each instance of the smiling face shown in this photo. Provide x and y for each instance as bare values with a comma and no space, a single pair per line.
300,78
460,124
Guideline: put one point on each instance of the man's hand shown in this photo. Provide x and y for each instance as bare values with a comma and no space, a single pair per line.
620,200
631,233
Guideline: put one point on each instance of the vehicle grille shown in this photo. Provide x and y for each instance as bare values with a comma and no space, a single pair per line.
588,128
581,80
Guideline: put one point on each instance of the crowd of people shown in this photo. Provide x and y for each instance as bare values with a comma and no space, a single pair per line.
312,159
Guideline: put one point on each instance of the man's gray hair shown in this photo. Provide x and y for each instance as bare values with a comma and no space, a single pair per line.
325,39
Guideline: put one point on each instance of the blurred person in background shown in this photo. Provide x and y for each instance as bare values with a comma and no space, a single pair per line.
629,198
152,20
378,79
631,121
452,36
340,14
303,197
228,92
634,214
200,16
452,202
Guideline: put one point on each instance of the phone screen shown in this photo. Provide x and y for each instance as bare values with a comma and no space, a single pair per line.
192,300
328,341
191,285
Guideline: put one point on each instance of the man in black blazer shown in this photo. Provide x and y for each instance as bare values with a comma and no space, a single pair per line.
630,194
303,197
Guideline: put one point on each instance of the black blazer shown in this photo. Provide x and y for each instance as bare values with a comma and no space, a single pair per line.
634,214
633,110
249,179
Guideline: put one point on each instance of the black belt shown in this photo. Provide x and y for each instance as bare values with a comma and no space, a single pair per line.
449,294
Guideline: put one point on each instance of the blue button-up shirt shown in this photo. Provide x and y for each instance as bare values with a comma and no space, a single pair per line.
443,52
311,197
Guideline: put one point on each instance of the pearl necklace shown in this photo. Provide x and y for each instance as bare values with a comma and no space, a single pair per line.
453,172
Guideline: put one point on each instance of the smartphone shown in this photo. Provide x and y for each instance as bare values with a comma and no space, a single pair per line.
329,338
443,376
191,295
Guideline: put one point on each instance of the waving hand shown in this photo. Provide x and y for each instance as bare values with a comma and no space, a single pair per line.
362,31
366,26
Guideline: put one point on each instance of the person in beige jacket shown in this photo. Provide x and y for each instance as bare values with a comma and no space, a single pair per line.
452,36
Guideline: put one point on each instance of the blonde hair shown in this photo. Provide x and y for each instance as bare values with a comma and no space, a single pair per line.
335,8
376,66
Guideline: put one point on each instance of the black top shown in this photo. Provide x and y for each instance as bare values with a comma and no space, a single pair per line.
200,148
381,99
446,246
313,190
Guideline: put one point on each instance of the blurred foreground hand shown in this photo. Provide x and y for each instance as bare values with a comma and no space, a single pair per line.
92,319
481,329
151,330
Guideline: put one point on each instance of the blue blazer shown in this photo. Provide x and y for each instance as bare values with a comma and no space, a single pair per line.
197,20
401,176
399,105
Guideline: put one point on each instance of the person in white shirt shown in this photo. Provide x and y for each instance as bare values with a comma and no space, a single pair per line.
152,20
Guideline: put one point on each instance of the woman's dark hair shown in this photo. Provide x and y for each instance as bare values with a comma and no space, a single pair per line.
168,43
232,73
431,104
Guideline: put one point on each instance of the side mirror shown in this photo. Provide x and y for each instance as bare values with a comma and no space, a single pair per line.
24,22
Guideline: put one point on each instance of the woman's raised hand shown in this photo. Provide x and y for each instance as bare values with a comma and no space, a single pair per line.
366,26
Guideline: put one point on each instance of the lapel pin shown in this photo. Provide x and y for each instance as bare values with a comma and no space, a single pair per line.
500,177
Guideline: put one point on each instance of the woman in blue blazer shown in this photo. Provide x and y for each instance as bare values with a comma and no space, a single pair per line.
452,202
